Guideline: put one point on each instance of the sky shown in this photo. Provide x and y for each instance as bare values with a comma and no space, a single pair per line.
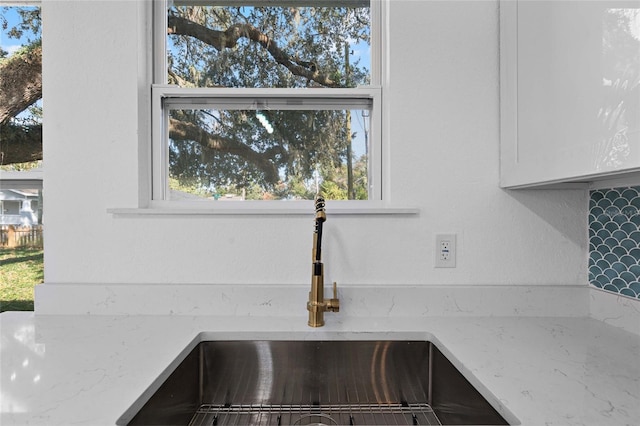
11,44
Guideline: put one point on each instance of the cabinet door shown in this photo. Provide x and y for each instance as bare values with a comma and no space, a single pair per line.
570,94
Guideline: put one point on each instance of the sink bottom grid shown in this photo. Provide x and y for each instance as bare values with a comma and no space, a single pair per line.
336,414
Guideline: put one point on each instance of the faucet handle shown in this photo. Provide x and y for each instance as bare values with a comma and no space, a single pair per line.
333,304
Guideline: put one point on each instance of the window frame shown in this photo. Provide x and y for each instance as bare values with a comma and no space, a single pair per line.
161,92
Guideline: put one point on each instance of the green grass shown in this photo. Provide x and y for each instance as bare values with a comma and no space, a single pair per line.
21,269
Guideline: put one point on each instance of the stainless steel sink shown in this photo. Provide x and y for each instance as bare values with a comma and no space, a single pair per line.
313,382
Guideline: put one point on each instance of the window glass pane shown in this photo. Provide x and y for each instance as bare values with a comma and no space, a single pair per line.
21,82
21,201
268,153
286,44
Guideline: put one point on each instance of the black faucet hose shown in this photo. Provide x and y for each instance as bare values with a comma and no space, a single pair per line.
320,218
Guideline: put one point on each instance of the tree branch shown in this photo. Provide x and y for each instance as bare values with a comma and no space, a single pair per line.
20,82
229,38
182,130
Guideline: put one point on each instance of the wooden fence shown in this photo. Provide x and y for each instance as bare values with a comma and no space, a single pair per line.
12,236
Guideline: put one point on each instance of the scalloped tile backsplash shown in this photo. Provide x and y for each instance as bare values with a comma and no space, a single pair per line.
614,240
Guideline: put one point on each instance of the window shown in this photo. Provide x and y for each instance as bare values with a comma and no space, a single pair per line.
20,117
273,102
21,201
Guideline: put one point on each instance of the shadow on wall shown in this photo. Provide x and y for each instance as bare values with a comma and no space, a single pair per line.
565,210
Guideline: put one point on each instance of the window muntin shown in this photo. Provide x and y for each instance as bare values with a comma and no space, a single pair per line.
206,178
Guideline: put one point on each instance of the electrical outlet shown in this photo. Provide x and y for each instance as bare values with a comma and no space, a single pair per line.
445,251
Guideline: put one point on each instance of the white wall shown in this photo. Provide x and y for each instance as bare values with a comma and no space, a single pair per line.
443,128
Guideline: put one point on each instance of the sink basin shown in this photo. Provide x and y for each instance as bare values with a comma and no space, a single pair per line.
312,382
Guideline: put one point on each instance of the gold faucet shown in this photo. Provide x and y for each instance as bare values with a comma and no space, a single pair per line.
317,304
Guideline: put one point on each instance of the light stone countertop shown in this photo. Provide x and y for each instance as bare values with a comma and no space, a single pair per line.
88,370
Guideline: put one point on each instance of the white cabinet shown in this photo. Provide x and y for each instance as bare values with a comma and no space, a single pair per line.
570,95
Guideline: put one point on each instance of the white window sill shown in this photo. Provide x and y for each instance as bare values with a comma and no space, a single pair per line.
257,208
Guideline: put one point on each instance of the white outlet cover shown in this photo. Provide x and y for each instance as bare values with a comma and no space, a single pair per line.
445,251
